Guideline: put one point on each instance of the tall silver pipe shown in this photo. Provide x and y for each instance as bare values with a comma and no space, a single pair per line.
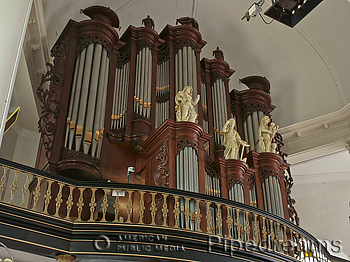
180,70
90,111
250,133
99,102
256,124
84,97
185,66
176,73
77,97
103,107
74,86
114,122
137,81
190,67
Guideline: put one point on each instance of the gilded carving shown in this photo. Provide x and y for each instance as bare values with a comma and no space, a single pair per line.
186,110
267,131
232,141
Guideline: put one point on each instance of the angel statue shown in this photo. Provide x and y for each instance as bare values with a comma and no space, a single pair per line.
186,110
232,141
267,131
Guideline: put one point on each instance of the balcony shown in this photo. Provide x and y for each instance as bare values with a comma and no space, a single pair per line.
48,215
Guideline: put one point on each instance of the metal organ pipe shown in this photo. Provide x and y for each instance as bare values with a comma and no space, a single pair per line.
75,100
90,111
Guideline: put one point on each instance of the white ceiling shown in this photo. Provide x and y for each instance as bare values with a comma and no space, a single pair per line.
308,66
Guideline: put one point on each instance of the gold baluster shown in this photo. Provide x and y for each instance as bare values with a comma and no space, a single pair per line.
3,180
25,190
264,231
141,207
129,206
80,203
198,216
285,238
238,224
104,205
247,226
176,211
256,229
69,202
14,186
153,208
165,209
278,236
219,219
36,192
59,199
92,205
47,196
229,222
187,213
116,207
272,233
208,217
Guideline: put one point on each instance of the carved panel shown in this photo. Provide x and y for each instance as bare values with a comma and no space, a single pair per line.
119,131
143,44
91,39
248,110
163,54
161,175
219,147
124,55
72,154
232,181
163,99
266,173
209,169
278,139
215,76
181,144
179,44
251,181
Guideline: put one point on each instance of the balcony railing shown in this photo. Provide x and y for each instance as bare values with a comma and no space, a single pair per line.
123,204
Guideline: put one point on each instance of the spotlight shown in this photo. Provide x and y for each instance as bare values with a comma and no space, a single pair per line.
253,10
291,12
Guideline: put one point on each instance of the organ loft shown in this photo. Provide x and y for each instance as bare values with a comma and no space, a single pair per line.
146,108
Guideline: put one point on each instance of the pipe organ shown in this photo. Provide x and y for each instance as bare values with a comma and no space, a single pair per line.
114,107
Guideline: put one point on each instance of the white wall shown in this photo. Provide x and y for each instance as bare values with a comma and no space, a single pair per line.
321,189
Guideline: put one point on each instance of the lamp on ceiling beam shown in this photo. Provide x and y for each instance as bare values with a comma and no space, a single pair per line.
291,12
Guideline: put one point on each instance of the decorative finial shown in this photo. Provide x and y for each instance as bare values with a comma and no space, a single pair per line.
188,21
218,54
148,22
102,13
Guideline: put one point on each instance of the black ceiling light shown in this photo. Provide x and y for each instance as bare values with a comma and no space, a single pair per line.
290,12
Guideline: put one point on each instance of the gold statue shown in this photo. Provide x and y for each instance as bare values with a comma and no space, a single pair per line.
267,131
232,141
186,110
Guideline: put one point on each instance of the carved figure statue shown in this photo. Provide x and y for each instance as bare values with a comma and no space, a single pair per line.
267,131
232,141
148,22
186,110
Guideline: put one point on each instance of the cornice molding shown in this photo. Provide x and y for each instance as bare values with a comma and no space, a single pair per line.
318,136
